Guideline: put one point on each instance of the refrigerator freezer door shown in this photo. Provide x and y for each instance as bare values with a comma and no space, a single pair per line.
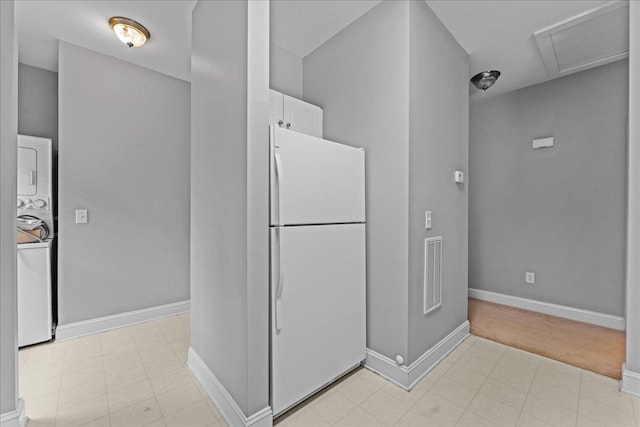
315,181
317,308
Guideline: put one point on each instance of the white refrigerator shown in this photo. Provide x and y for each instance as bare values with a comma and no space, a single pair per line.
317,236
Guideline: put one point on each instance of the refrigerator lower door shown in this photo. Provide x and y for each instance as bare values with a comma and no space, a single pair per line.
317,308
34,293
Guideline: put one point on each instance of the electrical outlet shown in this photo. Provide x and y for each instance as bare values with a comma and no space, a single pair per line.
530,277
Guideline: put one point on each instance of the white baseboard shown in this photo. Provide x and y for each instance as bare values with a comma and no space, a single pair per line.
102,324
406,377
229,409
578,314
630,382
15,418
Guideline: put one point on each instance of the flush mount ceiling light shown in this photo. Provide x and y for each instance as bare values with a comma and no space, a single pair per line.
130,32
485,79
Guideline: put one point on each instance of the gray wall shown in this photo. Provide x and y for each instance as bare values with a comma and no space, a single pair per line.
439,145
38,102
361,79
8,196
558,212
285,71
375,82
38,109
124,156
229,203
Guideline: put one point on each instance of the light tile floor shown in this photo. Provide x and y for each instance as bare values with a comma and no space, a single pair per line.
136,376
481,383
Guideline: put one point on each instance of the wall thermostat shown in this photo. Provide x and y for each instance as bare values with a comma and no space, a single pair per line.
458,177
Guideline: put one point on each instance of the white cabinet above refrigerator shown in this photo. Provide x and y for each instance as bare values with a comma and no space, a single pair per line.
294,114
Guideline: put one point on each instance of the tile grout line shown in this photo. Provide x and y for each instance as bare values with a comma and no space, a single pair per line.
128,329
144,367
579,398
526,397
439,378
378,391
104,374
480,388
193,381
413,405
64,362
348,400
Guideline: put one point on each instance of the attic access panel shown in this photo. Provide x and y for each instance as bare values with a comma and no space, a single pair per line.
596,37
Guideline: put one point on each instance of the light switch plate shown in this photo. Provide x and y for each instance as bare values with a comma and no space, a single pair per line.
81,216
458,177
427,220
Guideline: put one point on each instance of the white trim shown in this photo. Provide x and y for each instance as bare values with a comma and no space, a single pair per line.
630,382
106,323
227,406
15,418
633,199
406,377
578,314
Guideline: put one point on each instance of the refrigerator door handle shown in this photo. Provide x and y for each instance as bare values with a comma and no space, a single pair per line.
280,175
280,282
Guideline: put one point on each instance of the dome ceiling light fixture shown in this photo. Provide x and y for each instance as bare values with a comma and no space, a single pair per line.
485,79
130,32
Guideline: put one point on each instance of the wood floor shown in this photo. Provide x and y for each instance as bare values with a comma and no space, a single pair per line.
586,346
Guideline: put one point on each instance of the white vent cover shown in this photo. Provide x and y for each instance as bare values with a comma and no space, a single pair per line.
596,37
432,274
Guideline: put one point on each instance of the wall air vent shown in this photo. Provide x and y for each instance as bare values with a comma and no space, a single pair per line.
593,38
432,274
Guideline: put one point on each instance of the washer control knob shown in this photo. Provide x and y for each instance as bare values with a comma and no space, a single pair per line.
20,203
39,203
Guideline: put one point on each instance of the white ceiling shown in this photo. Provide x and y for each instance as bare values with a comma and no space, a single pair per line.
498,35
301,26
85,23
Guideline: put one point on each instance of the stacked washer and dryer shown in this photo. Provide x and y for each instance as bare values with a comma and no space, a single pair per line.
36,230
